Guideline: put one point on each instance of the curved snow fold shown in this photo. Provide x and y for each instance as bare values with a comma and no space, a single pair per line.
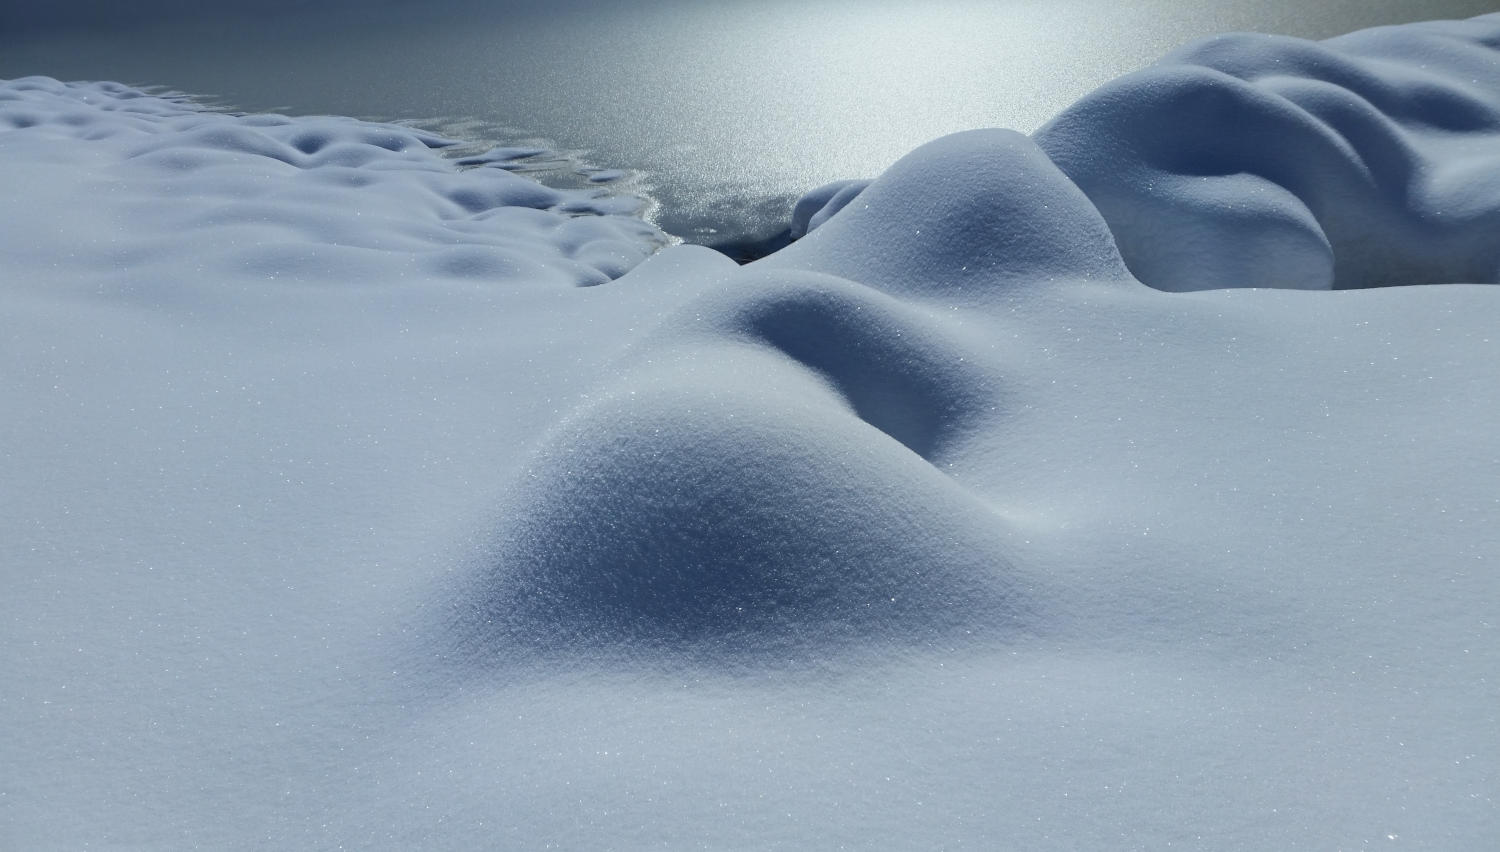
1367,160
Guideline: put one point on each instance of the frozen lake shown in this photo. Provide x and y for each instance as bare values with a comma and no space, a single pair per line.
730,108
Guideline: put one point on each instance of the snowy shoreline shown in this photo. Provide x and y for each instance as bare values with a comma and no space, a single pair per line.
359,496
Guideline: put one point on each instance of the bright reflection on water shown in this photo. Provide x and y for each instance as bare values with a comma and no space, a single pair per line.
731,107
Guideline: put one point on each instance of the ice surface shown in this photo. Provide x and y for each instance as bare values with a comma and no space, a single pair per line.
335,515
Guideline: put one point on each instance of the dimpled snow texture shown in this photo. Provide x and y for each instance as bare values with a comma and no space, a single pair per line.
319,198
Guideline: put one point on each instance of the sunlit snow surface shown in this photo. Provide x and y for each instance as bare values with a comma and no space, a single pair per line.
335,514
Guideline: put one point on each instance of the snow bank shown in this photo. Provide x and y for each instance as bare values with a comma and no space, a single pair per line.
1262,161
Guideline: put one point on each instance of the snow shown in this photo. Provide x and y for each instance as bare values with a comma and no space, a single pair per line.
1340,170
815,207
315,199
1028,500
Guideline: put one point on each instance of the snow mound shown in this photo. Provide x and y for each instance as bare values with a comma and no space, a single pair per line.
962,218
688,509
314,199
1249,160
788,461
691,507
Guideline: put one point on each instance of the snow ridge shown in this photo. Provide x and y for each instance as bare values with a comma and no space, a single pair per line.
1250,160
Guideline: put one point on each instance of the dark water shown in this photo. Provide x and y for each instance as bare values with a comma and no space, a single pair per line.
729,108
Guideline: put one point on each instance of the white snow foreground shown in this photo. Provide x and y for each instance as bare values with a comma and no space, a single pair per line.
938,528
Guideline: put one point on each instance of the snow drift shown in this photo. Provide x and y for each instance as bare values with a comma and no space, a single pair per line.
687,503
1298,164
344,517
1251,160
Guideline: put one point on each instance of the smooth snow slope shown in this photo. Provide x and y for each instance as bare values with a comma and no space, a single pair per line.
938,528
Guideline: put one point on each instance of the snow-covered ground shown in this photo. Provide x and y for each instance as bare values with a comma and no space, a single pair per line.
1088,490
